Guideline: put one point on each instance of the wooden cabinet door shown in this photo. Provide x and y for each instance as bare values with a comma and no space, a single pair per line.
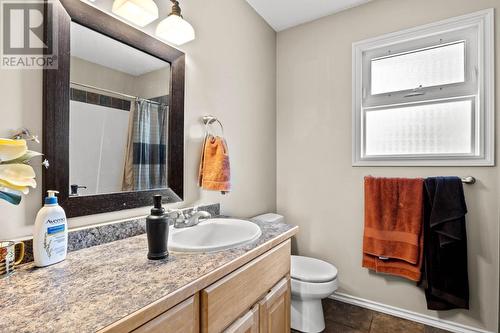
183,317
275,309
249,323
227,299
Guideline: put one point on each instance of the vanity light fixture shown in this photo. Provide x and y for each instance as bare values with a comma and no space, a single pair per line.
139,12
174,29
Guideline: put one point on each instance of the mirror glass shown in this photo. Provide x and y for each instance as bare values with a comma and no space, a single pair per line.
119,107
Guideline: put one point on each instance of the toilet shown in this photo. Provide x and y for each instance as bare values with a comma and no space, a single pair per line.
312,280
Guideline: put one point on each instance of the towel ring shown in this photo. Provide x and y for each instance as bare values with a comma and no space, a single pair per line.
209,120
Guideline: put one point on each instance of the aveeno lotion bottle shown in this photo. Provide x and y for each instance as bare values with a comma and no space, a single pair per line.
50,236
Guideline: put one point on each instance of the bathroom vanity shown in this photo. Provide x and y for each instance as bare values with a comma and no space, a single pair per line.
253,298
114,288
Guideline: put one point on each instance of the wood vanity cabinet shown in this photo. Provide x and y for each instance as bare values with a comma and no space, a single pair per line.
274,309
264,281
269,315
254,298
183,317
249,323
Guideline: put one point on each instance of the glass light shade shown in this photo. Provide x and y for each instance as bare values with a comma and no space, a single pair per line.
139,12
174,29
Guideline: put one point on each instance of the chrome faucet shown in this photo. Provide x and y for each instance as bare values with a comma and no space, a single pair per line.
181,220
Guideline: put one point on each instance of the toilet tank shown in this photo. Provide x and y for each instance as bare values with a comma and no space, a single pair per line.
269,217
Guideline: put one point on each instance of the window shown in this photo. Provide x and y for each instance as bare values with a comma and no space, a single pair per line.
429,67
425,96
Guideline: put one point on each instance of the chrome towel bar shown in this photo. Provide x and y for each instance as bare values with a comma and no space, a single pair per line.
468,180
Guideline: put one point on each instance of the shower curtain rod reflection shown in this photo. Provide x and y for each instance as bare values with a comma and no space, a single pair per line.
116,93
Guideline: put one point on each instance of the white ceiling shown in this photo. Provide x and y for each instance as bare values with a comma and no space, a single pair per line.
284,14
102,50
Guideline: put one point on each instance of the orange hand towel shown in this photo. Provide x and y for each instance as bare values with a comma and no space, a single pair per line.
393,235
214,171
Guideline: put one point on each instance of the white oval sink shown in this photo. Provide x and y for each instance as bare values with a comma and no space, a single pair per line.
213,235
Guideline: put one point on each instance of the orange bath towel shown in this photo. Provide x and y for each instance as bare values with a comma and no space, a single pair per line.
393,235
214,173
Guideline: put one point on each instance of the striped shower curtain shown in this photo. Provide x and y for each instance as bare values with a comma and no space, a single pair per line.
146,156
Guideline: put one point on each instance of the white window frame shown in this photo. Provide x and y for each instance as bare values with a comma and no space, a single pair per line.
479,66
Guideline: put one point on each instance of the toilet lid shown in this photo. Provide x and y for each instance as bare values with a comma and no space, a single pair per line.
312,270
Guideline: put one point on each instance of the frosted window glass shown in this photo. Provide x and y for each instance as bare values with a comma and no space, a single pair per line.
426,68
442,128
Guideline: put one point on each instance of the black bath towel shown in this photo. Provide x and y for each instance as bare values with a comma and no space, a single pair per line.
445,277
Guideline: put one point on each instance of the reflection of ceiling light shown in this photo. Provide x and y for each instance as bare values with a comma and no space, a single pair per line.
139,12
174,28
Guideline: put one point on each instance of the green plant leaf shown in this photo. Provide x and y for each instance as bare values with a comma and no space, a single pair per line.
25,158
11,198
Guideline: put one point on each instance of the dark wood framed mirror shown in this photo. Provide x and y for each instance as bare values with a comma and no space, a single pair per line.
64,99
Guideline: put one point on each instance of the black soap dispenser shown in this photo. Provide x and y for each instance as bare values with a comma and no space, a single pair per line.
157,231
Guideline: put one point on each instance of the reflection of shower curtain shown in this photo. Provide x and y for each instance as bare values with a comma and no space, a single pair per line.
145,163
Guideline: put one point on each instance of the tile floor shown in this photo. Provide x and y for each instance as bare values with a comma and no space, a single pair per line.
346,318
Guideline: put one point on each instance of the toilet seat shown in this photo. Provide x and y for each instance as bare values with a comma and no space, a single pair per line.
312,270
313,290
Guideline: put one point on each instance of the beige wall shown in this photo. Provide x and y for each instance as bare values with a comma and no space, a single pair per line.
230,72
319,190
153,84
147,85
86,72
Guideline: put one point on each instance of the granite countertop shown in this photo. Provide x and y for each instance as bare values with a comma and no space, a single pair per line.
96,286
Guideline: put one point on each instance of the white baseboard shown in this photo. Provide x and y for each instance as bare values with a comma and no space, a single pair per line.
405,314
